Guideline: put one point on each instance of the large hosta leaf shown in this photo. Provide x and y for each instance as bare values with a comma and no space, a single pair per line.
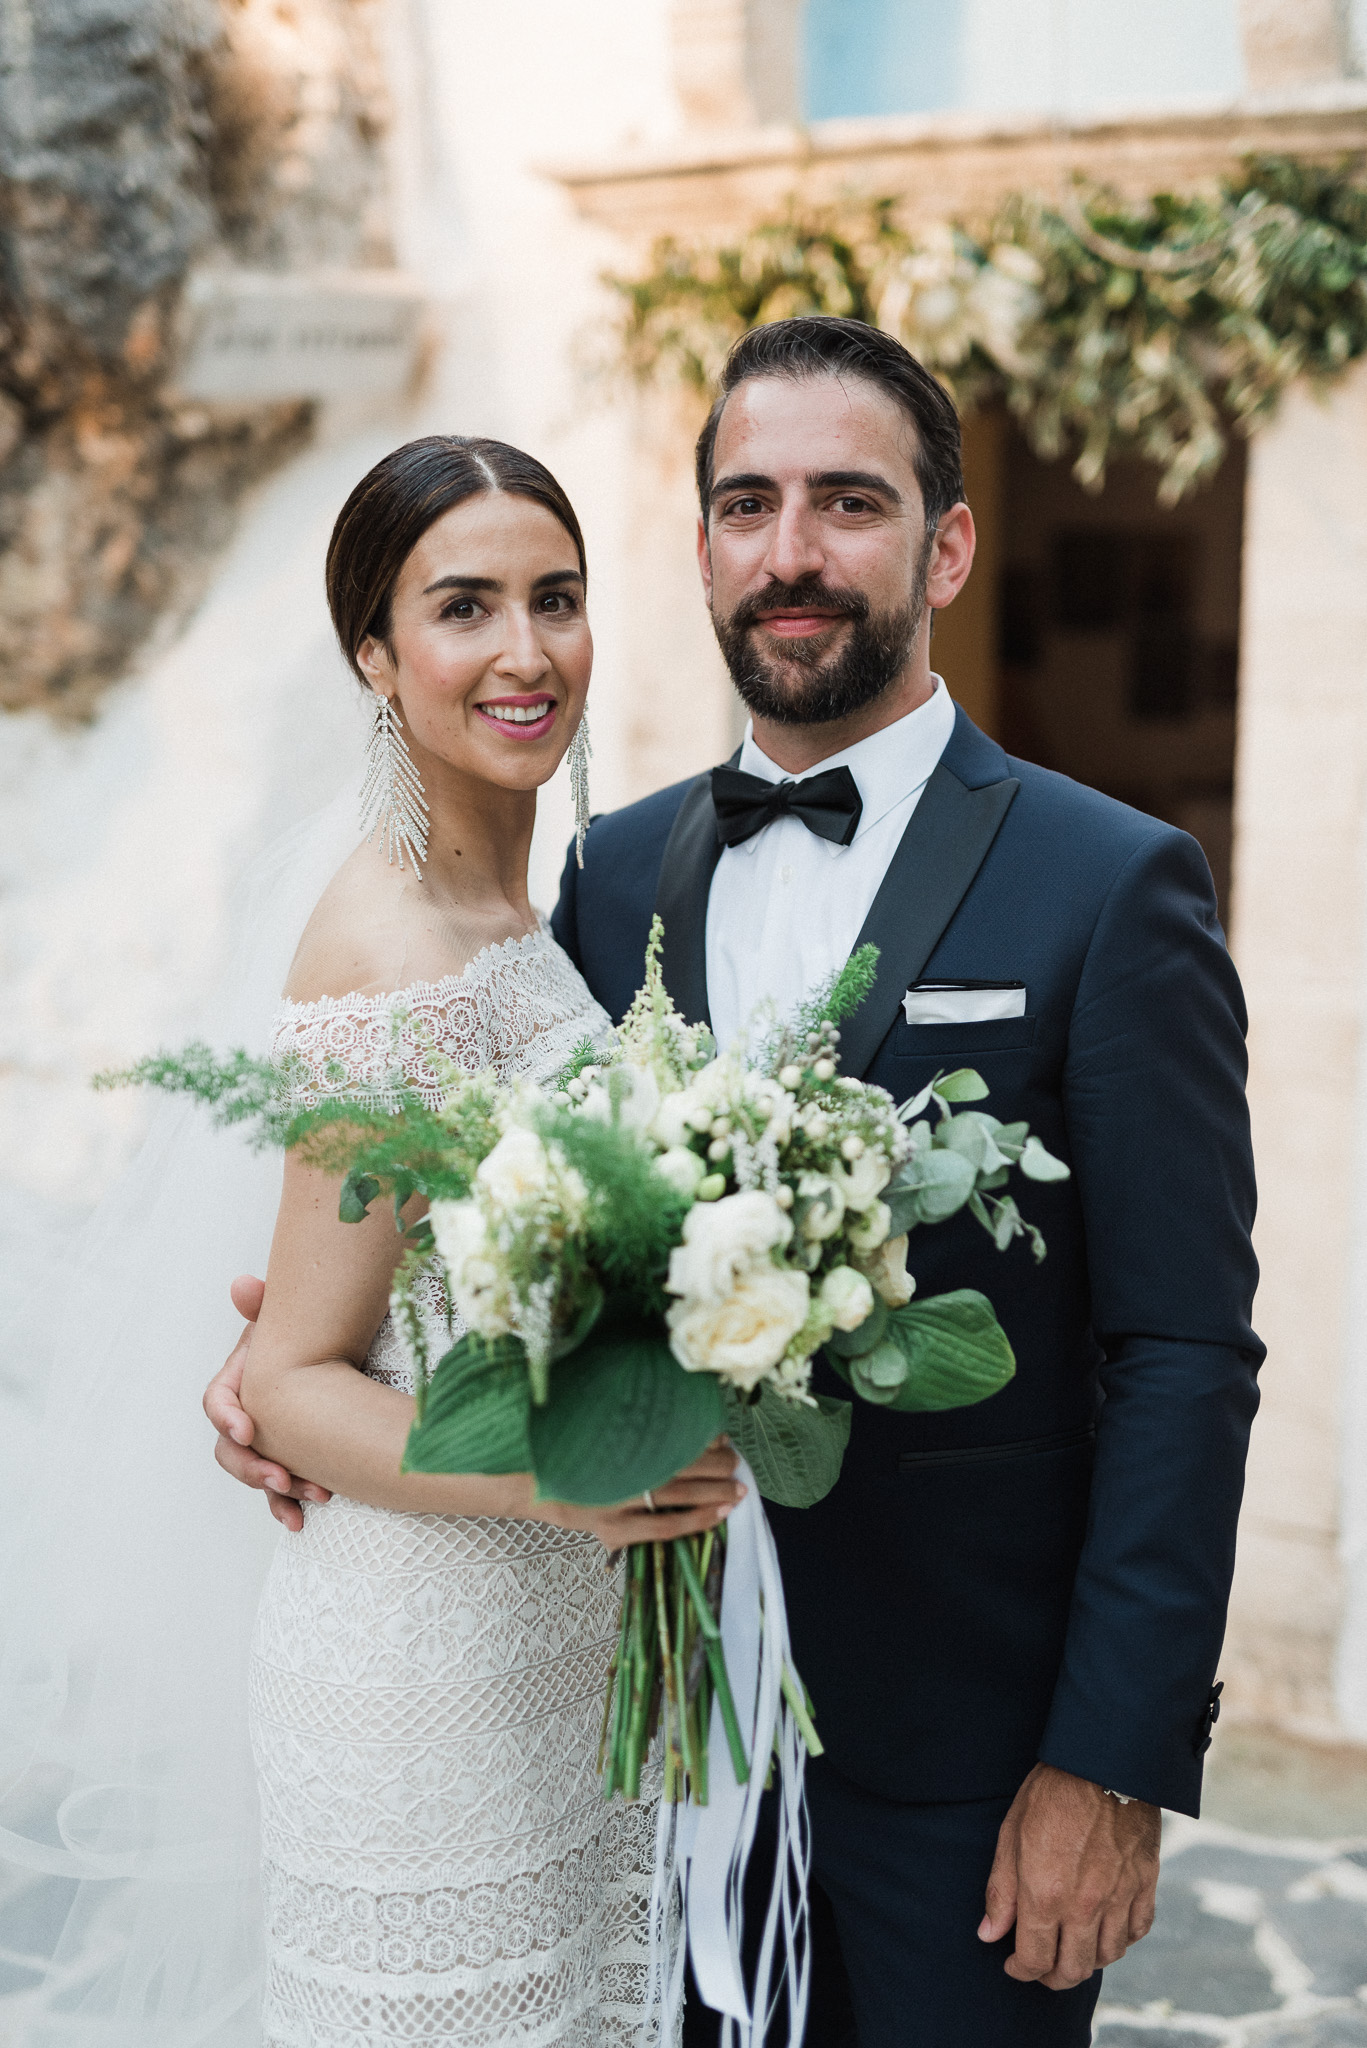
948,1352
795,1452
622,1415
474,1418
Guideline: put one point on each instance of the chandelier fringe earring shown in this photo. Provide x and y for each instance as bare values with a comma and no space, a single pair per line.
392,800
580,754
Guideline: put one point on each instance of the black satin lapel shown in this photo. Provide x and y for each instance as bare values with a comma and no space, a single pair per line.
690,859
928,877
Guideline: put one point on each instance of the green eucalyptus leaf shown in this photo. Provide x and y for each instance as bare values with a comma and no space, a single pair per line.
570,1340
881,1376
963,1085
358,1192
955,1349
794,1451
622,1415
1010,1139
1037,1164
944,1182
475,1412
853,1343
972,1134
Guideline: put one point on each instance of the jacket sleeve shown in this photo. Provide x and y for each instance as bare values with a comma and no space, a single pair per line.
565,916
1159,1135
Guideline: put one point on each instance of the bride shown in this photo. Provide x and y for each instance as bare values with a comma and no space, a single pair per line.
427,1669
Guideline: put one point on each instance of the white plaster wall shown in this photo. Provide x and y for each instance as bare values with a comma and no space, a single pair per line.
123,839
1299,942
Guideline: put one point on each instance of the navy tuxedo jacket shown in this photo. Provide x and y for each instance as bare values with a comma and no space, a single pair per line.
1043,1576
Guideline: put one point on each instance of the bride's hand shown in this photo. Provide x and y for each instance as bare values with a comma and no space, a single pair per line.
695,1499
223,1406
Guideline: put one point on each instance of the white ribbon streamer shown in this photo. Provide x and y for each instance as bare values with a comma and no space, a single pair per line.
708,1848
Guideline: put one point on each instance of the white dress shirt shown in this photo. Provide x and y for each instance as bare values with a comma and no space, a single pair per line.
786,906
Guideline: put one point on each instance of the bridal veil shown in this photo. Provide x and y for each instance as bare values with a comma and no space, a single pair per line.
132,1569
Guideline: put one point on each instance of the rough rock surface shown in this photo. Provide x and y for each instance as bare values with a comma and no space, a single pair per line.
138,137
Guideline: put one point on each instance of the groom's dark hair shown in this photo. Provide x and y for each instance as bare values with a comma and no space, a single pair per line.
392,507
819,345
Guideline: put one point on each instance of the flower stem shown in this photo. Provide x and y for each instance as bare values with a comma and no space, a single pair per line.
795,1694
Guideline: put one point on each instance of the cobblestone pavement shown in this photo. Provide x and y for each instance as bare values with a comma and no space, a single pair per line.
1260,1942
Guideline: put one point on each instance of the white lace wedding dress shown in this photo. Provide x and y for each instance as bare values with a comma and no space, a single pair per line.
426,1690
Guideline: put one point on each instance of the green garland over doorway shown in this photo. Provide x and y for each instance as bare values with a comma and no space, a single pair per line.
1108,328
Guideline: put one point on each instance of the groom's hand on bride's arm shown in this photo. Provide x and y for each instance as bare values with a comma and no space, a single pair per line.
223,1406
1075,1873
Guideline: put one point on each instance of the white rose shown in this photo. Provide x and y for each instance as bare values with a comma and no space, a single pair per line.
887,1269
862,1180
516,1171
478,1287
743,1337
719,1238
681,1168
868,1230
824,1210
847,1297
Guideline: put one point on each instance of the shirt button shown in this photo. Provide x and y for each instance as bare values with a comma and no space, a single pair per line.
785,874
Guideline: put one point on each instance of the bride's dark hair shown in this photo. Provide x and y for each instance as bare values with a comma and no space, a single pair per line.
392,507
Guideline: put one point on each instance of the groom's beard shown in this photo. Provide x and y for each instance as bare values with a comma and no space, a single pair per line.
802,686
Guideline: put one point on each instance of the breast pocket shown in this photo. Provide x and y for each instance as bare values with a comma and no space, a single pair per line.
941,1042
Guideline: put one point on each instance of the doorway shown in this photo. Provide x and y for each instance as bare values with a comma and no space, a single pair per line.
1115,654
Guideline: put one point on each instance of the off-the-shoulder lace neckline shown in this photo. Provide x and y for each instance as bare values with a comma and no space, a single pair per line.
422,991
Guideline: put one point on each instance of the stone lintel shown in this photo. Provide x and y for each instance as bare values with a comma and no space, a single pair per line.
952,165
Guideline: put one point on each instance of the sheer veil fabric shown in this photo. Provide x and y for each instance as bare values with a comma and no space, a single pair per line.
129,1909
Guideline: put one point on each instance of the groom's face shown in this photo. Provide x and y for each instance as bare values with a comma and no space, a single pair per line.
815,553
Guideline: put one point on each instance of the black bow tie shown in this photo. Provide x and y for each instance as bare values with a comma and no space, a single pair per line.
828,804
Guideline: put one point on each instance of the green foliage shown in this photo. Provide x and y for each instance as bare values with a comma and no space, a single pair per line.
473,1415
964,1161
794,1451
948,1352
841,994
1108,327
635,1217
622,1415
237,1088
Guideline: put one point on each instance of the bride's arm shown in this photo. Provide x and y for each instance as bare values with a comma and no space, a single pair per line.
327,1289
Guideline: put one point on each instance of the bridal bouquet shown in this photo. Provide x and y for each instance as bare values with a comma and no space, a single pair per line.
651,1256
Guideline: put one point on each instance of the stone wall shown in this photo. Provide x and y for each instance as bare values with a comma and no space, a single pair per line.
139,138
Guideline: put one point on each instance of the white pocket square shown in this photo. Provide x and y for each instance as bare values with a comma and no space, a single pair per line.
963,1002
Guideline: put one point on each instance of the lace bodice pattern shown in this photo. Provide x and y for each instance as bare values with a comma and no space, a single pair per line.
439,1864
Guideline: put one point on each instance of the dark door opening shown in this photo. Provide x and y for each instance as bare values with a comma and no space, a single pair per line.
1118,637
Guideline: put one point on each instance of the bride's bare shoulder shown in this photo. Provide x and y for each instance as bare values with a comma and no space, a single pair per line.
369,934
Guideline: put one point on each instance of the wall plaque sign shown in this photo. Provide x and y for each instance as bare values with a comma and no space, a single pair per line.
254,336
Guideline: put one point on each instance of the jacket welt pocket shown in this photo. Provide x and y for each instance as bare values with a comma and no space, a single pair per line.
997,1454
938,1041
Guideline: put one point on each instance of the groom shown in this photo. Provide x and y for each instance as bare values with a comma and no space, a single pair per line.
1009,1615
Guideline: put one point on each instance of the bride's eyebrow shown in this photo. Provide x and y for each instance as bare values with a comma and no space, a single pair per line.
463,583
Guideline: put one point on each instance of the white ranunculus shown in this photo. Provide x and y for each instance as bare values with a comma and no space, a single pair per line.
773,1103
823,1206
633,1092
887,1269
517,1171
719,1238
863,1180
868,1230
682,1168
478,1286
847,1297
742,1337
671,1127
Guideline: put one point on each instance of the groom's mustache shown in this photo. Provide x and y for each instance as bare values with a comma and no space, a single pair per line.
780,597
